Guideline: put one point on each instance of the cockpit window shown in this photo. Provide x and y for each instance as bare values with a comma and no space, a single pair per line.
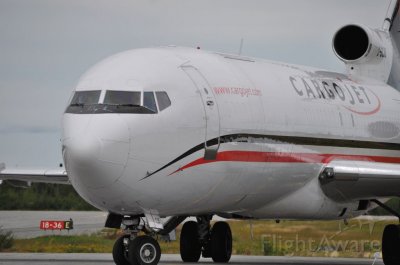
149,102
126,98
85,98
88,102
82,101
163,100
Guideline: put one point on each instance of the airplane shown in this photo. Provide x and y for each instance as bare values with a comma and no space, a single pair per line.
179,132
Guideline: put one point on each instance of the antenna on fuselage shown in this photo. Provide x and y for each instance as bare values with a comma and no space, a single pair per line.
241,46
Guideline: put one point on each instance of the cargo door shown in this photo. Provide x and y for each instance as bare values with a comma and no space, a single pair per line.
212,137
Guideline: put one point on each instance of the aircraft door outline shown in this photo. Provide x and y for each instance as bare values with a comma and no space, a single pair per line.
211,112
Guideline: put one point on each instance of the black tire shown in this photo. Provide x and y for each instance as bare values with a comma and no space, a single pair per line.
189,243
391,245
119,252
144,250
221,242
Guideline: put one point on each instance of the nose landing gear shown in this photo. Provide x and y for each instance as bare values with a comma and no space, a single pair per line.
120,250
131,249
142,250
197,238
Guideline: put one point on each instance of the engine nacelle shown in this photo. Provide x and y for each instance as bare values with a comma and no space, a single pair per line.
357,43
365,51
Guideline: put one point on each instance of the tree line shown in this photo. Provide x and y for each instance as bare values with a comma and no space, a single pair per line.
39,196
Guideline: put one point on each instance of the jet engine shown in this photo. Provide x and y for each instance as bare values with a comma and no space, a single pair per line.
357,43
366,52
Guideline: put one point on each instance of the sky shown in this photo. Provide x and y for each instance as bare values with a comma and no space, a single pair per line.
46,45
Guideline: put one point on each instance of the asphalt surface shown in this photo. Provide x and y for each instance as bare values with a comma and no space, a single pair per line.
86,259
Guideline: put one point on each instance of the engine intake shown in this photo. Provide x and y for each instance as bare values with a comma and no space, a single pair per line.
367,53
351,43
357,44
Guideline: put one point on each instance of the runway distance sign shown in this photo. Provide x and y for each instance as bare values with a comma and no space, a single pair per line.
56,225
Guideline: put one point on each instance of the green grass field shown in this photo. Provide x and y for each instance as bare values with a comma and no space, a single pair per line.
360,238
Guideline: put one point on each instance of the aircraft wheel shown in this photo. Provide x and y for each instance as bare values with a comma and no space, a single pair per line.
144,250
391,245
221,242
119,252
189,243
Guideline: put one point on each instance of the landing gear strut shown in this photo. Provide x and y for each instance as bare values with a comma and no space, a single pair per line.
198,238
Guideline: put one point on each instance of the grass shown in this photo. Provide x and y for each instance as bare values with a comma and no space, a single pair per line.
359,238
6,239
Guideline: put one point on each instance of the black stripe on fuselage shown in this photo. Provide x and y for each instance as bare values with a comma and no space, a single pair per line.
281,139
299,140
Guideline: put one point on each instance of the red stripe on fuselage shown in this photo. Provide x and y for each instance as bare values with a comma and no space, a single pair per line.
273,157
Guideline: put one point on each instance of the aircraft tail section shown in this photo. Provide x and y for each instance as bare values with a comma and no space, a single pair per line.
372,53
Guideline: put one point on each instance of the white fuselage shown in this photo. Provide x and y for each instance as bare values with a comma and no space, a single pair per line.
274,126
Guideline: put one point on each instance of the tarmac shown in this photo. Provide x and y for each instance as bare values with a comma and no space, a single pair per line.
90,259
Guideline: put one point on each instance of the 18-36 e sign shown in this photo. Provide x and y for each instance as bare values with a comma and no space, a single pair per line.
56,225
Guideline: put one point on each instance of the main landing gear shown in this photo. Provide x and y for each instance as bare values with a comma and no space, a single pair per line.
391,245
197,238
390,239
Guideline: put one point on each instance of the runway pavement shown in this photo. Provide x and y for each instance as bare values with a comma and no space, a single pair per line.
90,259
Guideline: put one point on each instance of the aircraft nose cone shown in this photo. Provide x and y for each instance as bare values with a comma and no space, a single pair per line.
84,149
96,156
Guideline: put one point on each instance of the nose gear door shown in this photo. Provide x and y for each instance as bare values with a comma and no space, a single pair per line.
212,137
